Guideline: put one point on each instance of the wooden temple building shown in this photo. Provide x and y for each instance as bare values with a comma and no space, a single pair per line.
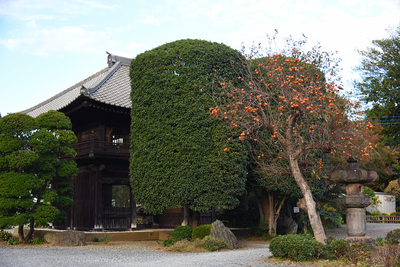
99,109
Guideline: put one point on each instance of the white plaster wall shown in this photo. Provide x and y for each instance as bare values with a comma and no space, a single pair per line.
388,204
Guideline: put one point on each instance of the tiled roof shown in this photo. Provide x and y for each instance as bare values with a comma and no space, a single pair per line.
110,86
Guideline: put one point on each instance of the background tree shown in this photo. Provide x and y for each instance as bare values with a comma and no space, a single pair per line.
289,102
177,156
380,84
33,179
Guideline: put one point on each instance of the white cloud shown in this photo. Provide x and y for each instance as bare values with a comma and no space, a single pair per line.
135,45
45,41
94,4
151,20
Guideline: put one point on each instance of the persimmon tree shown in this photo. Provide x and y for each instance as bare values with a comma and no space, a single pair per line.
289,102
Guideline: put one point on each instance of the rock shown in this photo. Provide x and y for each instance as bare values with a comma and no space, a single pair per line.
290,226
220,232
66,238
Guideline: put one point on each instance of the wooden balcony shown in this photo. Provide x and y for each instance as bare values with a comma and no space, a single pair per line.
96,149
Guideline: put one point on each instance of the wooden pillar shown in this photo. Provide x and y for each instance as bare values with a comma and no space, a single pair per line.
102,136
98,209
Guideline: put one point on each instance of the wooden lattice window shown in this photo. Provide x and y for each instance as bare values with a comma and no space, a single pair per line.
117,137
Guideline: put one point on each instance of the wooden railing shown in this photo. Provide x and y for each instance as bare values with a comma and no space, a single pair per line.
92,146
383,219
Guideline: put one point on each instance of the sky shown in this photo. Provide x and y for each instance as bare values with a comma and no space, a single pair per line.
47,46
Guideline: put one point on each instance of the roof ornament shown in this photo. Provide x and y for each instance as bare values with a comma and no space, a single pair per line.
84,91
110,59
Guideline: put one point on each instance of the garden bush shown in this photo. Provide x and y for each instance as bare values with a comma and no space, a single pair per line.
38,241
201,231
380,242
182,232
393,237
5,236
212,244
338,247
359,252
296,247
397,213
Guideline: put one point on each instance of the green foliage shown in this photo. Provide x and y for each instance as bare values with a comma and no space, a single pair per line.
393,237
359,252
264,226
33,181
380,82
106,239
177,147
296,247
338,247
201,231
38,241
96,239
168,242
379,241
12,241
368,192
397,213
213,244
330,218
182,232
5,236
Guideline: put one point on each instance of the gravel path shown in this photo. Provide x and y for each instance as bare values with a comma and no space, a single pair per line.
374,230
128,255
132,254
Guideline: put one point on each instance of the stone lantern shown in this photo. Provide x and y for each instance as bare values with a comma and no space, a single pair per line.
354,178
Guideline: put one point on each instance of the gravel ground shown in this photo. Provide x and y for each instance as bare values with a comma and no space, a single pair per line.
134,254
374,230
126,255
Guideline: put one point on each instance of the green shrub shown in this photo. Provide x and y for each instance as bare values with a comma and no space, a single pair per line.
393,237
359,252
168,243
397,213
264,227
213,244
296,247
201,231
106,239
5,236
331,218
338,247
96,239
182,232
12,241
38,241
379,242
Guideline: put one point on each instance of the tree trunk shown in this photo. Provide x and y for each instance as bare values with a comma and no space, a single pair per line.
185,220
21,238
313,216
31,229
271,213
194,218
277,210
259,204
267,207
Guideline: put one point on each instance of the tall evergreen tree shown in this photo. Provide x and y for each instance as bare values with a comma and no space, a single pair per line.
380,84
177,148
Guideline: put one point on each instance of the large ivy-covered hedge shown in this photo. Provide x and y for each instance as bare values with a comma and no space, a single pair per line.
180,154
